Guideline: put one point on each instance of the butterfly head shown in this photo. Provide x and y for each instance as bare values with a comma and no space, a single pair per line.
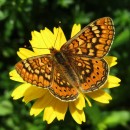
53,51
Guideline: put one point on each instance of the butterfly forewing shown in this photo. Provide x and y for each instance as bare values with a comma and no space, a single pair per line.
36,70
93,41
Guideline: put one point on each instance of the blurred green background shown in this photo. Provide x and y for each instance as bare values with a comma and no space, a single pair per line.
19,17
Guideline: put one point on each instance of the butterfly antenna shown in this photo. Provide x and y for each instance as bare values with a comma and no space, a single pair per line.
29,47
39,48
57,33
44,42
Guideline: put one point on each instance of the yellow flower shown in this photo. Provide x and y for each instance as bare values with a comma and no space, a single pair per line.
54,108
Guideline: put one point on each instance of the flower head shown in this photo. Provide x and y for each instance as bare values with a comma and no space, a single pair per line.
53,107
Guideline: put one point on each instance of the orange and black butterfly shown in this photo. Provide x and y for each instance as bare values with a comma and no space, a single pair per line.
77,67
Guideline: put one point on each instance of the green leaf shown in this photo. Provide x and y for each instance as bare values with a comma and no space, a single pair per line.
116,118
122,38
65,3
2,2
5,108
3,15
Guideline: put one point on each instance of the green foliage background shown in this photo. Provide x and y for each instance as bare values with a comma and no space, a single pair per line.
19,17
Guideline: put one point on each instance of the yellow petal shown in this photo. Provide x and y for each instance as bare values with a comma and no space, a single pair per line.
15,76
112,82
41,103
80,102
32,93
100,96
111,60
48,38
19,91
78,115
39,42
60,109
49,115
75,29
60,38
89,103
83,95
25,53
49,112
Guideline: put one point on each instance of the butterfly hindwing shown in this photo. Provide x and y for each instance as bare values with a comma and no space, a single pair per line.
91,72
61,88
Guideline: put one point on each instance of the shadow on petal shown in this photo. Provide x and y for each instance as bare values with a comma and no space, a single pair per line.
111,60
49,112
78,115
80,102
112,82
41,104
33,92
100,96
60,109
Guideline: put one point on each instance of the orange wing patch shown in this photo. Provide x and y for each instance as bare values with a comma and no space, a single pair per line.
93,40
61,89
36,70
91,72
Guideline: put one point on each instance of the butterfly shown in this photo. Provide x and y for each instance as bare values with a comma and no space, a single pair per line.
77,67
